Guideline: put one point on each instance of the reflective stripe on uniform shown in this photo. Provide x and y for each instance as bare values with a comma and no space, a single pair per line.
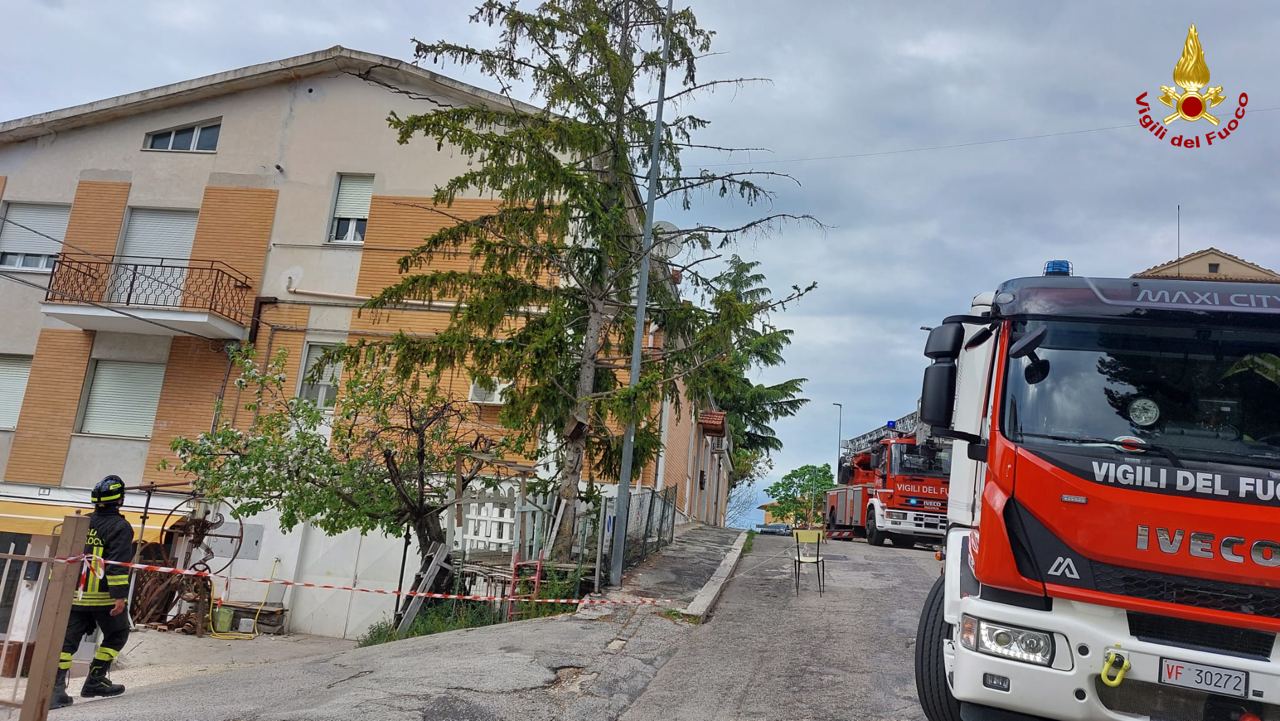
117,579
105,654
97,598
64,661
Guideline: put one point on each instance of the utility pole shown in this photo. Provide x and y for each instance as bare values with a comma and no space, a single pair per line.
622,509
839,433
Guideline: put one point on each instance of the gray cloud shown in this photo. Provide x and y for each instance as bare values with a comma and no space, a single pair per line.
911,236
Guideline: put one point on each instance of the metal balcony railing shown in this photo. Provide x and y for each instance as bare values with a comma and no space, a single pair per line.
168,283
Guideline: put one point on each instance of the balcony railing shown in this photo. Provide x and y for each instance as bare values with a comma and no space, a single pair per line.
166,283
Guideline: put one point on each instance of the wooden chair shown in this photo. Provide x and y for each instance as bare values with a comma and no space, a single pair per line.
809,550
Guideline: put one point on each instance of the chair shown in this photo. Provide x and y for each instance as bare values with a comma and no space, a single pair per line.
804,539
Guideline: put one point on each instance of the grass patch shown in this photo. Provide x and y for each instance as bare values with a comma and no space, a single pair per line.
751,539
435,618
680,617
439,616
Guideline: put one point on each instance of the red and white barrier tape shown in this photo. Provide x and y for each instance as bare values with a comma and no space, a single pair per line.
380,591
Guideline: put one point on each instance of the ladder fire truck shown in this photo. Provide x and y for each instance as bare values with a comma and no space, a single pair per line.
892,486
1113,547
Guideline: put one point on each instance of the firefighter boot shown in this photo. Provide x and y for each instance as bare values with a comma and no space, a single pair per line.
60,697
97,684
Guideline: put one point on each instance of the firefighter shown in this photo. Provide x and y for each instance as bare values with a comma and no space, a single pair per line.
100,599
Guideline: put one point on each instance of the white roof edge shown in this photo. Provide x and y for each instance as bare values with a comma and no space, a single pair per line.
230,81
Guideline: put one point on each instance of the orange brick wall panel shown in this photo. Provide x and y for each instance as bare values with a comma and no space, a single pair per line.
677,469
398,224
192,383
235,228
49,407
3,180
97,213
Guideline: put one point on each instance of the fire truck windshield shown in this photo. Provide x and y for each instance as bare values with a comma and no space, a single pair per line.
923,460
1202,392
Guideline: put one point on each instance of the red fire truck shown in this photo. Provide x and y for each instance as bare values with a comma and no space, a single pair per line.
1113,548
891,487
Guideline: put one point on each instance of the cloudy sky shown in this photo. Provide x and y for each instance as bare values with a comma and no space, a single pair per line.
910,236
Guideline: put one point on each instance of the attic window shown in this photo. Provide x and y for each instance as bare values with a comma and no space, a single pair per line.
202,138
1213,267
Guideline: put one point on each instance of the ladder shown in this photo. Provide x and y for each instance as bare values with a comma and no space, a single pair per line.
526,583
433,567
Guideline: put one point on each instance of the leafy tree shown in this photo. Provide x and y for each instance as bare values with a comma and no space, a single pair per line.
800,495
396,447
548,299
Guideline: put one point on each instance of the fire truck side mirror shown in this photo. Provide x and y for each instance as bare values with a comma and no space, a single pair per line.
939,391
944,342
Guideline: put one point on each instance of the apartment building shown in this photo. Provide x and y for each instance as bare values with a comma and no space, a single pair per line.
146,232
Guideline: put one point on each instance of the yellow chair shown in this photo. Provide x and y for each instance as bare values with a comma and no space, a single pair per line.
805,540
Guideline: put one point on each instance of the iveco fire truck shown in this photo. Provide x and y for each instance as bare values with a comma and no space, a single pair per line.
891,487
1113,548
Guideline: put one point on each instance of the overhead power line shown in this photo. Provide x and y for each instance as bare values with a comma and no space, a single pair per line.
952,146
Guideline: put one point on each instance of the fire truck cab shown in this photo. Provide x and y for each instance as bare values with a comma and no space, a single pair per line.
1113,541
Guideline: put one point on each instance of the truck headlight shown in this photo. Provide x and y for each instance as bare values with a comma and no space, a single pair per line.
995,639
895,515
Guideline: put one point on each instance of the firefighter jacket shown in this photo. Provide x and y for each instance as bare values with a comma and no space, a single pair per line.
111,538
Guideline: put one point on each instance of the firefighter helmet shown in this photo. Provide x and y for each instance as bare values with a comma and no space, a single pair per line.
108,492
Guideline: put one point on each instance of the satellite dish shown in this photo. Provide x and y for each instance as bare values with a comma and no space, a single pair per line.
665,240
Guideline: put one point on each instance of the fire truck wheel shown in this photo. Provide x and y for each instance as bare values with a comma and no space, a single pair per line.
931,673
874,536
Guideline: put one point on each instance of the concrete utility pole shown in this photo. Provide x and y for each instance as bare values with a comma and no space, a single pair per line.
622,509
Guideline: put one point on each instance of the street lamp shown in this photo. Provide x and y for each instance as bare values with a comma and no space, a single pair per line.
839,433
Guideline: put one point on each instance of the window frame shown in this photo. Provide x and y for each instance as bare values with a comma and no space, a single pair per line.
304,371
499,384
22,397
331,233
1215,267
49,259
196,128
86,394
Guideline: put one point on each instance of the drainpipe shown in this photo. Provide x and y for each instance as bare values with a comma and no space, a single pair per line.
256,322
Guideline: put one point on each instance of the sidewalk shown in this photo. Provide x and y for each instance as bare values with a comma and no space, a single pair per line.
589,665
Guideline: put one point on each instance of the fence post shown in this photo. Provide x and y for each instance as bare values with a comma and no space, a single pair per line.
54,613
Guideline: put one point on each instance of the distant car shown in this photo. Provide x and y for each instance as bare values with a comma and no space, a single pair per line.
774,529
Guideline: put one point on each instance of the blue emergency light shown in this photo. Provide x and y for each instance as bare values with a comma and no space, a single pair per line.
891,425
1057,267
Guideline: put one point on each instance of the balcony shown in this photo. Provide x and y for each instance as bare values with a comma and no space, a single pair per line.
162,296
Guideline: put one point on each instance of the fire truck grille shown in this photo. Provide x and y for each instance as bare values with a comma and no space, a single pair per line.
1205,636
1185,591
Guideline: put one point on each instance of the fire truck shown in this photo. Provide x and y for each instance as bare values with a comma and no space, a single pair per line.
1113,541
892,485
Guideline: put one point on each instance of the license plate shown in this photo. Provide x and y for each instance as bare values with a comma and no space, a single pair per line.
1204,678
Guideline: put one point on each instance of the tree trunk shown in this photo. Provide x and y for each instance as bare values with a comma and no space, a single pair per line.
575,449
427,529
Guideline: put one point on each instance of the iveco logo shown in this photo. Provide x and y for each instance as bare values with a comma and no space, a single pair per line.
1234,549
1064,567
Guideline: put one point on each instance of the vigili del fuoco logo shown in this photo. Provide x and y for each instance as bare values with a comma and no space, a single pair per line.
1195,102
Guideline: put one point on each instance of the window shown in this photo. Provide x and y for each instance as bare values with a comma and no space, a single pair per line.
320,385
487,397
30,235
122,398
13,383
199,138
1213,267
351,208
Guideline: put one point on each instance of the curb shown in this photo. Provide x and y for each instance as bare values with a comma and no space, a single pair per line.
701,605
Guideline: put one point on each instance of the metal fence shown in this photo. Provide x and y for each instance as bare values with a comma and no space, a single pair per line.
179,283
650,524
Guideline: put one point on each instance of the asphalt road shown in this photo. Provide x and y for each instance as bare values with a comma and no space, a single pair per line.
768,653
765,653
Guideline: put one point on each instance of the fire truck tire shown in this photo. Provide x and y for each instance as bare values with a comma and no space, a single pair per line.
874,536
931,674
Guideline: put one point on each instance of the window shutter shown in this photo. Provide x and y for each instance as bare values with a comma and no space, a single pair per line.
354,192
160,233
47,219
13,383
123,398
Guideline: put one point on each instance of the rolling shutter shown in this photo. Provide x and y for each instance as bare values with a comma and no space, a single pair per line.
123,398
354,192
160,233
13,383
47,219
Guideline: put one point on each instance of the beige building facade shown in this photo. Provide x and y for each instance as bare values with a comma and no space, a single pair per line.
144,233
